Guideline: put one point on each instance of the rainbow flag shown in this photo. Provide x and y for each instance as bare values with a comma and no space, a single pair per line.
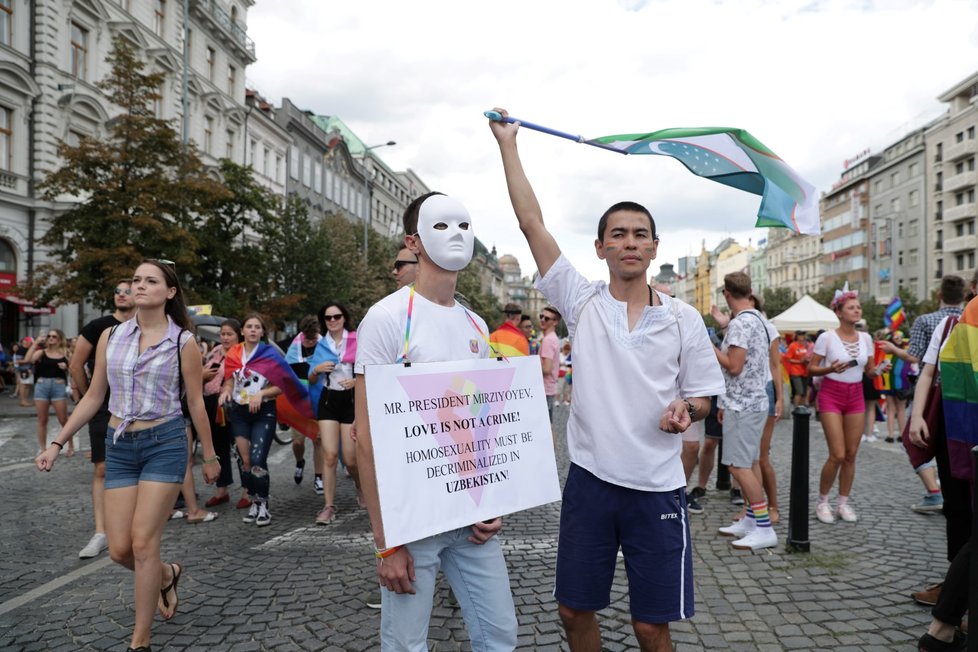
295,410
509,341
959,378
893,318
734,158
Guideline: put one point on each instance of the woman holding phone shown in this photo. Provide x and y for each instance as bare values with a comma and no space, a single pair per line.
843,356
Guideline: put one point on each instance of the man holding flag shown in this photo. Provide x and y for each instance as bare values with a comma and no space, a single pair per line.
626,486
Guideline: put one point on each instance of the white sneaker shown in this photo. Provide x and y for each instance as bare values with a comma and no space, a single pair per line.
872,439
95,545
252,513
847,514
758,539
264,518
739,528
823,512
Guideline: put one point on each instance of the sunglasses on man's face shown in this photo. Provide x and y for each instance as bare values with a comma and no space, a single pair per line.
123,291
332,317
546,318
398,264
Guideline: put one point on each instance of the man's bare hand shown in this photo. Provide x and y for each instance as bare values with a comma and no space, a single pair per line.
396,573
676,417
503,131
482,532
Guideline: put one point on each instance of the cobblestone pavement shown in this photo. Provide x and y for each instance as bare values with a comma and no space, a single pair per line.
295,586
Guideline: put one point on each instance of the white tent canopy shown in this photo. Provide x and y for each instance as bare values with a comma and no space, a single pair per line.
806,315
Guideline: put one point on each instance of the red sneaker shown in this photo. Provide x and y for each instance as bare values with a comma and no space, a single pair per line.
243,503
214,501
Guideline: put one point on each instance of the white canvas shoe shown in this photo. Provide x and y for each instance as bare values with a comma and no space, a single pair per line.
739,528
758,539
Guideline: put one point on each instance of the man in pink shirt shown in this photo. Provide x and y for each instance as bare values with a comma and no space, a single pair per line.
550,354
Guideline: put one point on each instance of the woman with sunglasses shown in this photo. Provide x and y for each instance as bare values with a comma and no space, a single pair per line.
331,375
49,355
146,365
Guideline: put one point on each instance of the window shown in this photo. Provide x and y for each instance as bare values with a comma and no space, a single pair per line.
878,185
971,133
329,184
6,21
939,243
939,153
940,268
878,209
317,178
251,153
895,179
211,56
232,79
294,163
306,171
912,258
278,169
939,212
959,137
79,51
264,162
6,136
959,167
208,134
939,181
159,16
895,205
913,198
229,148
913,228
913,170
971,164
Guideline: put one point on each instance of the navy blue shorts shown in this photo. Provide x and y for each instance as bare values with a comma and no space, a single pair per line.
652,530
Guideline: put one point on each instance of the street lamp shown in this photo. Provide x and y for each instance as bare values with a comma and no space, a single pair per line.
366,193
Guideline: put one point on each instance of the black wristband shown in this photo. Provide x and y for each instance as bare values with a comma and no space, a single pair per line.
58,444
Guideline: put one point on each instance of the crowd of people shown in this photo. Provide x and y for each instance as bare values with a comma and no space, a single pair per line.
147,396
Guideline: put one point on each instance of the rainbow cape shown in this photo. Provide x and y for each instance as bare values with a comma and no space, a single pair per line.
959,387
293,405
509,341
324,353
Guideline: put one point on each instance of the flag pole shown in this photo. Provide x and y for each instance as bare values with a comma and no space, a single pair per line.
495,116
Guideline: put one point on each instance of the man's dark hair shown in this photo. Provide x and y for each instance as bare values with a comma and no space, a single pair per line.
524,318
952,290
411,213
552,311
737,284
625,206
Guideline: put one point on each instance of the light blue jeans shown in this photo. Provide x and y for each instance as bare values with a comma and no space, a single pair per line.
480,580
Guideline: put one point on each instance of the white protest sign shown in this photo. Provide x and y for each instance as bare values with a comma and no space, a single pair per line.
458,442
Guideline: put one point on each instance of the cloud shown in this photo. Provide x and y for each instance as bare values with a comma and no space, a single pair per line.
815,81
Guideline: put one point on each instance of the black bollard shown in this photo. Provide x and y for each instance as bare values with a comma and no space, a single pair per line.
973,583
798,504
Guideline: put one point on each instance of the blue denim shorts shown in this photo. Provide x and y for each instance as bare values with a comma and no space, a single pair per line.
50,389
157,454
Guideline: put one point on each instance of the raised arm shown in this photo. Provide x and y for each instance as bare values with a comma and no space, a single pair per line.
542,244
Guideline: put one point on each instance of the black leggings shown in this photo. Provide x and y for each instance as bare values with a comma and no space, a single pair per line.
221,436
953,601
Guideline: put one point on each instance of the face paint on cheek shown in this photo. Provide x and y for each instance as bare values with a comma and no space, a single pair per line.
610,247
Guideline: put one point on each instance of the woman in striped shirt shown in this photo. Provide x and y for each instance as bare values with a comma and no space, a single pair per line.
147,365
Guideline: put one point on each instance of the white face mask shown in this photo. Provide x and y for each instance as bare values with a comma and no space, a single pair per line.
446,231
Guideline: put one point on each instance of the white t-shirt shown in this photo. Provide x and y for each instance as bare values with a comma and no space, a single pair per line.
935,346
831,348
773,335
438,333
624,380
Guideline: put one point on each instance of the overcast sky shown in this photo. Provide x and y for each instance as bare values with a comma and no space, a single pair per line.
817,81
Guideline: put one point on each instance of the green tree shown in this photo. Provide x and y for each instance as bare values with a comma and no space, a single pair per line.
139,191
777,300
230,237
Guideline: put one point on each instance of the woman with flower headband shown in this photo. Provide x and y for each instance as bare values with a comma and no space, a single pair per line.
147,365
843,356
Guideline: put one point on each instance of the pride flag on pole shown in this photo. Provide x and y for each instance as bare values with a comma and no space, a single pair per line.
734,158
893,318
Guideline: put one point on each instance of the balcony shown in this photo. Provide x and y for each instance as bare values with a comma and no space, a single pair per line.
958,181
235,34
13,184
960,212
960,150
960,243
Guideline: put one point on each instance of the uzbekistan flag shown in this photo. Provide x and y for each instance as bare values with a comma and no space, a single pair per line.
893,318
959,378
734,158
293,405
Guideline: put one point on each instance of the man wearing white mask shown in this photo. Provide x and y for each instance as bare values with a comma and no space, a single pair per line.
424,323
